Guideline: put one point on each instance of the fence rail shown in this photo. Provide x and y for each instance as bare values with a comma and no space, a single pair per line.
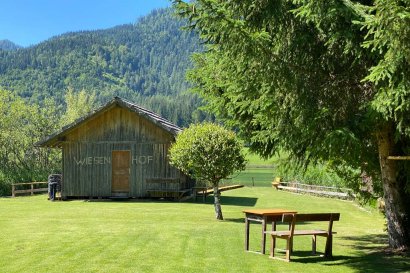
31,190
342,193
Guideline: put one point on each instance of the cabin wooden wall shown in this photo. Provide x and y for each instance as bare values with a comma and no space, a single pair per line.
87,152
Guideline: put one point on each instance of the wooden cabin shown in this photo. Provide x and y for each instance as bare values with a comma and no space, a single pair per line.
119,150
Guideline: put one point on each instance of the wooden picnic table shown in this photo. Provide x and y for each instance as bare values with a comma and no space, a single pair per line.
262,216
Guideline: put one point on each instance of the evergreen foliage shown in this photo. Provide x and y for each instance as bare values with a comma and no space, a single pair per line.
322,80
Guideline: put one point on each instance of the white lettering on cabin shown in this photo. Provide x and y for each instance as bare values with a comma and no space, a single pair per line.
107,160
104,160
92,160
79,161
142,159
98,160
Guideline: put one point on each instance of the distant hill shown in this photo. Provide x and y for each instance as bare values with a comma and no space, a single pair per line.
8,45
144,62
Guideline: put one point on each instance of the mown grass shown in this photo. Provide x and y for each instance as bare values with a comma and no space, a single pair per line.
146,236
253,177
259,172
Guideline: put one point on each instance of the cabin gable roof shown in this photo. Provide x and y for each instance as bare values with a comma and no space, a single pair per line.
57,138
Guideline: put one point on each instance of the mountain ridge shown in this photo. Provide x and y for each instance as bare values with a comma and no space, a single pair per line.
144,62
6,44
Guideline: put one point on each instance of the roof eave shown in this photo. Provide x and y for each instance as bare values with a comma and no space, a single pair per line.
57,138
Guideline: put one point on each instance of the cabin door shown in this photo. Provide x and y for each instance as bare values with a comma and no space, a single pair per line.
121,171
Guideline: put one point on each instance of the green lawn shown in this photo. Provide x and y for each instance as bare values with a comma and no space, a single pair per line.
259,172
256,160
146,236
261,177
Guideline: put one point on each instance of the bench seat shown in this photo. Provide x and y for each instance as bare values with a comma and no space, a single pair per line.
299,232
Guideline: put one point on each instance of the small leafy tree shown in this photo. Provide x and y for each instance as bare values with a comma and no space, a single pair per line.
208,152
78,105
21,125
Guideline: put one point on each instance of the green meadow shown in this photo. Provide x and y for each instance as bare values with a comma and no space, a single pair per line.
259,172
37,235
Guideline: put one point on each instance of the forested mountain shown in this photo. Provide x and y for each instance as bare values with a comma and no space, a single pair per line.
144,62
8,45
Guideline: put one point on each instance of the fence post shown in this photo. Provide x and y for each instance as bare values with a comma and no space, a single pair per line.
13,190
32,189
253,181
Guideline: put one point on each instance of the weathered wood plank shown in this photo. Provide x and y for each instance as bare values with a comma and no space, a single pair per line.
30,183
32,190
88,152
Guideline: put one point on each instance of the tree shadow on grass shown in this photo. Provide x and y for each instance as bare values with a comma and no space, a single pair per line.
239,201
373,255
230,201
299,256
225,200
235,220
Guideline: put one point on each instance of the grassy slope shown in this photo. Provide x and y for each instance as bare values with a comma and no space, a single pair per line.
77,236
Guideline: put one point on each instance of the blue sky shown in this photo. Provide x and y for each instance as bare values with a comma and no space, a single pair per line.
28,22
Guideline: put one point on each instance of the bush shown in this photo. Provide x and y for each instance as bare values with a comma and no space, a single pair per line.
5,185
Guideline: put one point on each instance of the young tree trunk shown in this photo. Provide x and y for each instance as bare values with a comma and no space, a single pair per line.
396,206
217,203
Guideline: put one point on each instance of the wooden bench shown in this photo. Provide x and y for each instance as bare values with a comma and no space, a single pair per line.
177,195
276,182
167,188
292,220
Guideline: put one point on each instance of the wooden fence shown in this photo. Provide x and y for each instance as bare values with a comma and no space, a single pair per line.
342,193
31,190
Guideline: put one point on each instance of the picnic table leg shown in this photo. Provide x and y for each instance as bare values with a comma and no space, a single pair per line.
194,194
246,234
329,245
263,235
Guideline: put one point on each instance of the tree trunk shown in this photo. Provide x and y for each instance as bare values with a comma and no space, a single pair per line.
396,206
217,203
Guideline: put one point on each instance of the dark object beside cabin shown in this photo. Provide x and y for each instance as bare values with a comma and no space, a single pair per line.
54,185
292,220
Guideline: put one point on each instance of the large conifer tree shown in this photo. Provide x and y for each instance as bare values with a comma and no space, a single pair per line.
302,76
